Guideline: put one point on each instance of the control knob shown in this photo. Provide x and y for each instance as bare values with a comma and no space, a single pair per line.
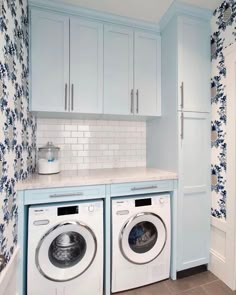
162,200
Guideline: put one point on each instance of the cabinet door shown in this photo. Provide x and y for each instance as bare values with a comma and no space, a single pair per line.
194,64
147,74
49,61
194,200
118,70
86,66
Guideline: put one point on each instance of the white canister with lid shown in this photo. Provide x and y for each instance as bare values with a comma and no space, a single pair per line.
48,159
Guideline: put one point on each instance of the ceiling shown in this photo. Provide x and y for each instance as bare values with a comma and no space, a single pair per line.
147,10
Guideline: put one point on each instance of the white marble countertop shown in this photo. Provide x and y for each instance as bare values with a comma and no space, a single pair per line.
94,177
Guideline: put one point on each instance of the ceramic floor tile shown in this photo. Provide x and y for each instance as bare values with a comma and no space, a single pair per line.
194,291
191,282
217,288
201,284
154,289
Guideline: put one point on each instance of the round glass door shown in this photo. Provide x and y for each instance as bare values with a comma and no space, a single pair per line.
143,238
66,251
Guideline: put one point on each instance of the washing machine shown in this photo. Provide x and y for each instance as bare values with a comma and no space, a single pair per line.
140,241
65,249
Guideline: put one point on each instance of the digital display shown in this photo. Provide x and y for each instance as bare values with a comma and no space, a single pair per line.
67,210
143,202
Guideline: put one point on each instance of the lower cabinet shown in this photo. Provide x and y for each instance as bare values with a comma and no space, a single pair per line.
194,190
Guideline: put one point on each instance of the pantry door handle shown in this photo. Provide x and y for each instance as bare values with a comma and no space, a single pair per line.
132,101
182,126
66,195
137,98
182,95
72,97
66,97
143,188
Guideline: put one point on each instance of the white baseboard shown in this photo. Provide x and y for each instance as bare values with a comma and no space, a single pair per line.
8,277
217,265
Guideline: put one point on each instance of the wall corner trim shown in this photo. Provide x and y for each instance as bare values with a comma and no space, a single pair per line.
180,8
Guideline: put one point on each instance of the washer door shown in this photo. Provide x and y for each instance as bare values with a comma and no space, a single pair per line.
66,251
143,238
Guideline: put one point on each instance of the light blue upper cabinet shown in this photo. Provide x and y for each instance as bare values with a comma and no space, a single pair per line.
194,64
80,65
86,66
132,72
49,61
118,70
147,74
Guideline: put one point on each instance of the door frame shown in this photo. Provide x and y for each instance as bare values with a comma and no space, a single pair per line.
223,234
230,63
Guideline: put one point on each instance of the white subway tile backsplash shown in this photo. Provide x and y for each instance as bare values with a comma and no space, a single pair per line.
95,144
77,134
71,127
83,128
71,140
77,147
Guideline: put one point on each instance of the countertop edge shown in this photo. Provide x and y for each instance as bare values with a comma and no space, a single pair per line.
33,184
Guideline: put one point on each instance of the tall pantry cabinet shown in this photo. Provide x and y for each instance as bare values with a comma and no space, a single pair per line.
180,139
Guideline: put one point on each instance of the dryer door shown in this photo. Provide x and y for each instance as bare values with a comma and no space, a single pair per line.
66,251
143,238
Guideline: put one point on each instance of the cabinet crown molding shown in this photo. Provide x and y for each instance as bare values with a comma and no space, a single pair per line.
76,10
180,8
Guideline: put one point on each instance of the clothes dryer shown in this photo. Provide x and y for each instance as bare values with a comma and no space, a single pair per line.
140,241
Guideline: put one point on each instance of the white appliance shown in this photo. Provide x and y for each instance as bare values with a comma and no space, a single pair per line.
140,241
65,249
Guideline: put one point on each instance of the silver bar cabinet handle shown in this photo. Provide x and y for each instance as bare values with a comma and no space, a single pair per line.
66,195
72,97
182,126
143,188
66,97
132,101
137,97
182,95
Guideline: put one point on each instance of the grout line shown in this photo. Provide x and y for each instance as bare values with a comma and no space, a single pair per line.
169,289
210,282
218,280
190,289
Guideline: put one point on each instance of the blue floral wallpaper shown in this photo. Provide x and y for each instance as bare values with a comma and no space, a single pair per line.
224,34
17,127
